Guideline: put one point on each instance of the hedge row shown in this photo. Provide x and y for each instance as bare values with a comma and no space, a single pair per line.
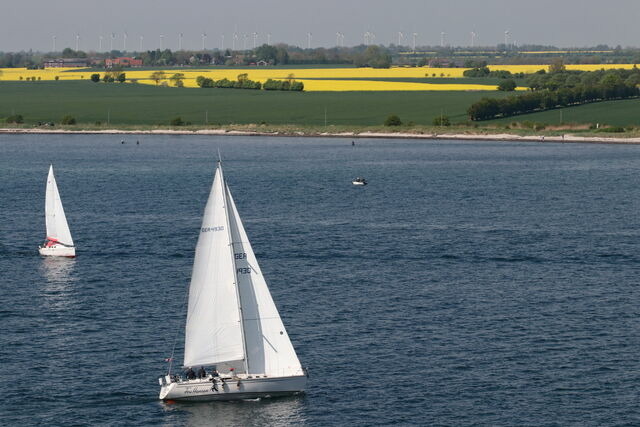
271,84
491,108
225,83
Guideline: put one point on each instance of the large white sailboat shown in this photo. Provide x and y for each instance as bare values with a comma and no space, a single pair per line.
58,241
234,335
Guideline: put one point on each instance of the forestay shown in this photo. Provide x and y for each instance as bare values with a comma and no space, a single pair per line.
213,329
56,220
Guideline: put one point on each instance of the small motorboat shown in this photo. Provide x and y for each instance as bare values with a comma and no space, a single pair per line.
359,181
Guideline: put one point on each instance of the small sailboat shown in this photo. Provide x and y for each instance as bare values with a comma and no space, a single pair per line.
58,241
359,181
234,335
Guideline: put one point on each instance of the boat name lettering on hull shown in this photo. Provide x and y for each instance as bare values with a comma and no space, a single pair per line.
240,255
196,390
243,270
208,229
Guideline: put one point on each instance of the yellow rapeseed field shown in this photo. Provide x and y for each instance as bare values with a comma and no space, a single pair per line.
348,76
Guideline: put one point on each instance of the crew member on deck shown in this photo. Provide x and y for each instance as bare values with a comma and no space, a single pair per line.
202,373
191,375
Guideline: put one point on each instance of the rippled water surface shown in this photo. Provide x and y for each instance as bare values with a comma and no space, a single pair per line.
470,282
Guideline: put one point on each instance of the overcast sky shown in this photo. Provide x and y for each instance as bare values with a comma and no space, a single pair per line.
31,24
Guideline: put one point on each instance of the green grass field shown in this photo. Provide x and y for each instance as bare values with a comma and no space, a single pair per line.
130,104
615,113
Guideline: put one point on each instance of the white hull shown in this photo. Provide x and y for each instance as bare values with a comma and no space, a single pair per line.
233,388
358,183
58,250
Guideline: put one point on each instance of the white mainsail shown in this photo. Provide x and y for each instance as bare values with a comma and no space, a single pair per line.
57,227
213,330
269,349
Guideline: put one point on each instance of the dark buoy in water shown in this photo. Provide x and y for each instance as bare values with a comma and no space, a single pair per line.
137,142
122,142
353,143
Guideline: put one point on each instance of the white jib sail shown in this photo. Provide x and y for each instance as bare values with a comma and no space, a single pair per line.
56,220
213,331
269,349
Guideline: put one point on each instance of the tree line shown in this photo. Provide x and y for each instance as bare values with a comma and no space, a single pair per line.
243,82
484,71
560,88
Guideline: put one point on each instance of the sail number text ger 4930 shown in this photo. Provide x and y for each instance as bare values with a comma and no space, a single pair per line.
207,229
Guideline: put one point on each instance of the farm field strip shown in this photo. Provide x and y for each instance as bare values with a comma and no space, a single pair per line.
140,104
316,79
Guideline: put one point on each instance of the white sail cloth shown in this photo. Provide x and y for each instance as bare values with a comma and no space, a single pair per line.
231,314
57,227
269,349
213,331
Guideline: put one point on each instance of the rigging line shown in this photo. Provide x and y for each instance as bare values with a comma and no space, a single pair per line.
175,338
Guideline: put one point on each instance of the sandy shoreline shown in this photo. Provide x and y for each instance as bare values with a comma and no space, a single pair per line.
393,135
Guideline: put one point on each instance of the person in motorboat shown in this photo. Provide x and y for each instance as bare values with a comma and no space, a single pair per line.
360,181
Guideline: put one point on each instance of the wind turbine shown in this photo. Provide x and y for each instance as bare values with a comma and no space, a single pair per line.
400,37
100,43
221,41
180,35
372,38
442,36
124,42
337,38
414,41
77,42
235,37
141,42
366,38
255,39
473,38
506,38
113,36
161,39
245,36
204,39
269,38
53,38
309,35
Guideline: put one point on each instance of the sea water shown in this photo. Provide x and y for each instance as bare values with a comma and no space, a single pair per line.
470,283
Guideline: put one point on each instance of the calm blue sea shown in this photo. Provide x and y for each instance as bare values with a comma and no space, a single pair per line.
470,283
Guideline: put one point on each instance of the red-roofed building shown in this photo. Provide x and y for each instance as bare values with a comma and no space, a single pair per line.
123,61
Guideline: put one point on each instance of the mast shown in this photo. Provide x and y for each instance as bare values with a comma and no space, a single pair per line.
233,260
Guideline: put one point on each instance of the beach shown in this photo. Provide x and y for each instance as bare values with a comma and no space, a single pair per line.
568,138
